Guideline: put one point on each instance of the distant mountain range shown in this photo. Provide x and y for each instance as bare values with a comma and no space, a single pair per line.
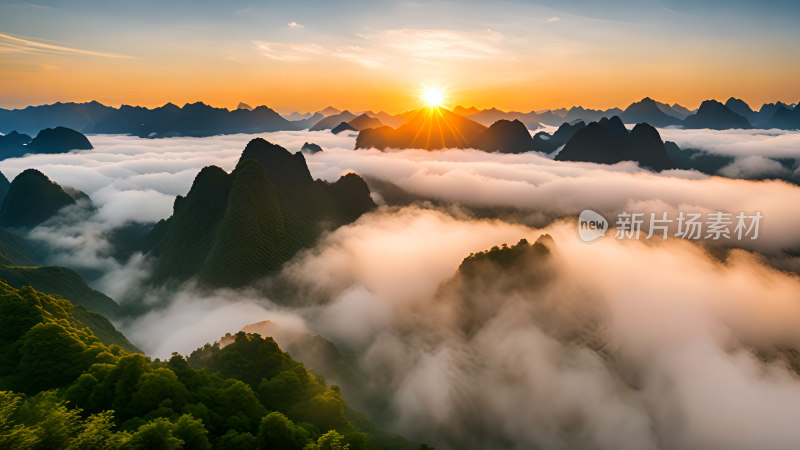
199,119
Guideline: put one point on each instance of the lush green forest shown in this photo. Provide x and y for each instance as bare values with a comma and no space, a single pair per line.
62,387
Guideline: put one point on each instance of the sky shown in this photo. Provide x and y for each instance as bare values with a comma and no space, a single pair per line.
303,56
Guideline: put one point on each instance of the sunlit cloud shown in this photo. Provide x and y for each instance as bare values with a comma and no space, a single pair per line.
379,50
296,25
281,51
19,45
437,44
553,19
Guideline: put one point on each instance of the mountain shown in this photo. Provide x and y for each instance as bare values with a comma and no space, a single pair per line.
363,122
243,105
193,119
310,148
78,116
330,111
344,126
741,108
232,229
580,113
608,142
785,118
504,136
429,128
766,112
487,117
331,121
546,143
393,121
716,116
308,122
674,110
58,140
294,116
12,145
31,199
462,111
648,110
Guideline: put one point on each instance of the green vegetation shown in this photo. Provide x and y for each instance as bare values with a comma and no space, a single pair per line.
61,387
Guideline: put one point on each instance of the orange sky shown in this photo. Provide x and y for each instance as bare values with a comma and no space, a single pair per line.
532,62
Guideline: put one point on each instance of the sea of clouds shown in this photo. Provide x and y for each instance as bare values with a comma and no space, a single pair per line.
677,326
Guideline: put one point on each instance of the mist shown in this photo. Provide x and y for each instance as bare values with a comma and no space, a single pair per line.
609,344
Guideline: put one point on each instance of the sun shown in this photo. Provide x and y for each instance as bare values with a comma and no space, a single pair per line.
432,96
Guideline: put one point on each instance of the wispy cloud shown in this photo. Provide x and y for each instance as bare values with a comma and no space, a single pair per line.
281,51
437,44
381,49
20,45
553,19
296,25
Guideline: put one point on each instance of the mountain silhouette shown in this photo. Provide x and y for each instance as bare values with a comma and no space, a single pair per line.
546,143
674,110
330,111
310,148
58,140
78,116
430,128
647,110
232,229
331,121
462,111
716,116
785,118
243,105
766,112
193,119
741,108
31,199
490,116
504,136
12,145
363,122
344,126
608,142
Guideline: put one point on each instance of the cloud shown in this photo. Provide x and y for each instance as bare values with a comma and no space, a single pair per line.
434,45
295,25
626,336
385,48
613,344
764,143
280,51
553,19
20,45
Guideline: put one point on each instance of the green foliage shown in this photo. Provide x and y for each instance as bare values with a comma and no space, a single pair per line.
329,441
83,394
43,422
157,434
276,432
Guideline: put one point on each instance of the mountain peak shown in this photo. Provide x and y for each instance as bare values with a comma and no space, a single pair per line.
32,198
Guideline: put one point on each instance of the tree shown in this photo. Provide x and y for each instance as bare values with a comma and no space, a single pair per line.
192,432
276,431
156,434
329,441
